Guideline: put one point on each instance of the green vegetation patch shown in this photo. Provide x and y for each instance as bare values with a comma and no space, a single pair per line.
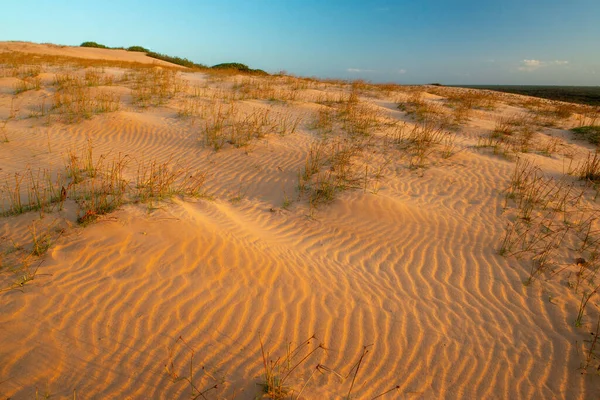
589,133
138,48
239,67
94,44
184,62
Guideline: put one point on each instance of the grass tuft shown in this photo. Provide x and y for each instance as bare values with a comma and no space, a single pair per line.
589,133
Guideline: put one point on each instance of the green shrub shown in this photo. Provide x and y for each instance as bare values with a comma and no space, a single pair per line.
175,60
93,44
239,67
138,48
589,133
184,62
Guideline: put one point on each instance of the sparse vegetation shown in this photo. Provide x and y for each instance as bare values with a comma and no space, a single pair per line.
592,358
589,133
548,214
279,378
316,143
184,62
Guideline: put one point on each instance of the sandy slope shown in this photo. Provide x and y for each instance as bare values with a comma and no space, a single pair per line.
408,267
79,52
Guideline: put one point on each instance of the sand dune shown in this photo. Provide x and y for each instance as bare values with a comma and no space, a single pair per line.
79,52
405,262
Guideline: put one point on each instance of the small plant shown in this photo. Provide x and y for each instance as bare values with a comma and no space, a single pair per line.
422,110
26,275
239,195
593,354
449,146
323,121
286,124
287,202
589,170
29,191
585,298
507,125
550,146
160,181
195,391
589,133
277,373
41,244
4,138
227,125
28,84
540,262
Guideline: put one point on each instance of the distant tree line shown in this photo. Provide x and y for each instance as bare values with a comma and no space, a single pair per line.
589,95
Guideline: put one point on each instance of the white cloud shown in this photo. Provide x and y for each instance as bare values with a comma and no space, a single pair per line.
401,71
532,65
359,70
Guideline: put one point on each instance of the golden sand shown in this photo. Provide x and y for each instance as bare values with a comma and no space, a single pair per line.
405,261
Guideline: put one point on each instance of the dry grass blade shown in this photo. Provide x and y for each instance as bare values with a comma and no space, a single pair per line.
277,373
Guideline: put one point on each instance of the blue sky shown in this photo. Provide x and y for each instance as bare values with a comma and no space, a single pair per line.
417,41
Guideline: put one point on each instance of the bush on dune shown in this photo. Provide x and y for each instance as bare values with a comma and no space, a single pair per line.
93,44
239,67
138,48
184,62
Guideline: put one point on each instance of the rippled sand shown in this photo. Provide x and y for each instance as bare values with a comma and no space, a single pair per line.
411,268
